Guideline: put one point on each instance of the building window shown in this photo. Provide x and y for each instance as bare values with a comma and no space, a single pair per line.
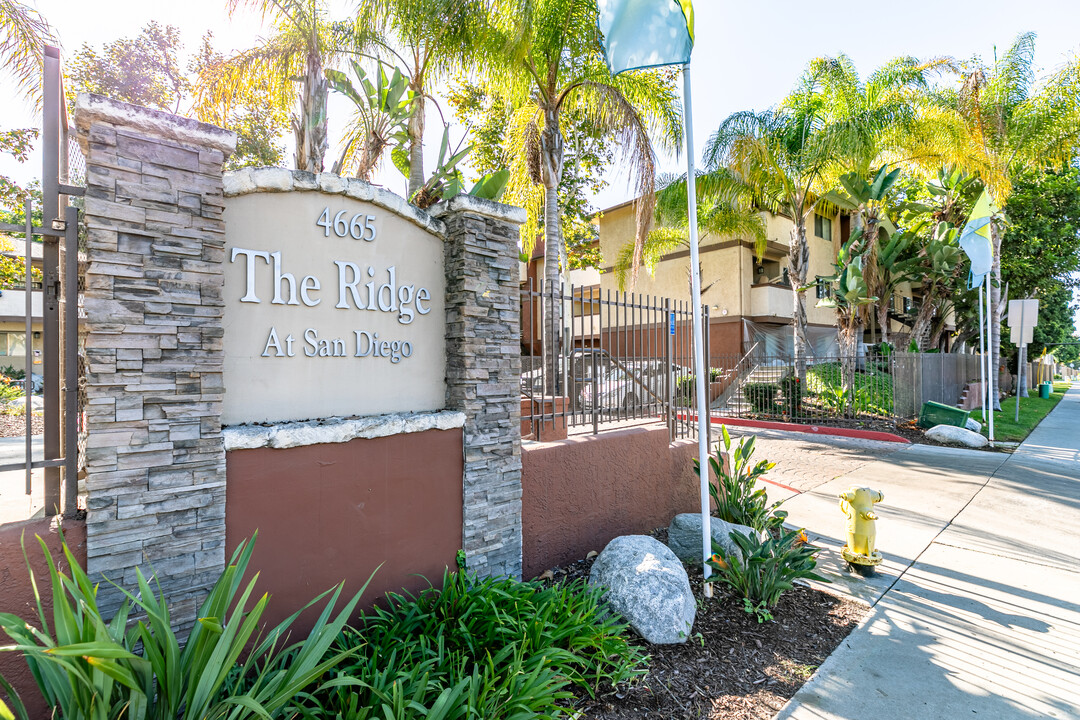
12,343
823,227
823,289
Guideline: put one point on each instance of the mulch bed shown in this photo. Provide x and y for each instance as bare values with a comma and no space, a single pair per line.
732,667
15,425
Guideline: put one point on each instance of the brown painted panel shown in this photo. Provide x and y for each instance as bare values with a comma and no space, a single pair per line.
333,512
580,493
17,595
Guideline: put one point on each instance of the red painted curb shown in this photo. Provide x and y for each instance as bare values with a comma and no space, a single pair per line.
812,429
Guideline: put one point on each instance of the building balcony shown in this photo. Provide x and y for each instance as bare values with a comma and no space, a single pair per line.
13,304
770,301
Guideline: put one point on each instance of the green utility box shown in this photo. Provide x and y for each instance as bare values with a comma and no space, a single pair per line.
1044,390
937,414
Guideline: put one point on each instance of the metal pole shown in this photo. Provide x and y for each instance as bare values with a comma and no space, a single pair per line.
28,380
71,359
982,356
991,370
50,254
699,350
1020,362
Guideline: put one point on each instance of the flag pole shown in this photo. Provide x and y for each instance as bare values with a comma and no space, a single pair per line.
982,355
990,369
700,368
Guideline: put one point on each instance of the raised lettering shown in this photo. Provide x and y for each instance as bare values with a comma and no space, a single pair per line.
350,286
309,283
278,277
249,283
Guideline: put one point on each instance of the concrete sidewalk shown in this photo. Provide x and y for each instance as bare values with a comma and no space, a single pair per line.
975,607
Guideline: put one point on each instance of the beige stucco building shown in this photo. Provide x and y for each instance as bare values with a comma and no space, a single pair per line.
749,299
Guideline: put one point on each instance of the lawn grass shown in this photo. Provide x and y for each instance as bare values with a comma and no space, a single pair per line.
1032,410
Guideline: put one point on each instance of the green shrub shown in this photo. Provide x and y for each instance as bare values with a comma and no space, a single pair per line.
791,392
735,492
767,568
10,371
761,396
478,648
94,668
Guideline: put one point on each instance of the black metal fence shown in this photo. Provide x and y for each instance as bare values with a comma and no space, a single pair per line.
593,358
838,389
59,361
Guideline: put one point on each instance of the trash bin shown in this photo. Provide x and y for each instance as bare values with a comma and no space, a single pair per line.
937,414
1044,390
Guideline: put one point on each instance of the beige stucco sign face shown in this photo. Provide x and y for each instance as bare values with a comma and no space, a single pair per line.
333,307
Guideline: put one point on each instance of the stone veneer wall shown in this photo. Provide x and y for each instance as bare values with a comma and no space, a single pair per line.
155,456
155,248
483,374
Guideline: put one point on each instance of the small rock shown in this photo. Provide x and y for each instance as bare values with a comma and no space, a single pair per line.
974,425
956,436
36,402
648,586
546,575
591,555
684,536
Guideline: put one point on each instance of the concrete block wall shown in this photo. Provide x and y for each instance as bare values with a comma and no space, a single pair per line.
155,252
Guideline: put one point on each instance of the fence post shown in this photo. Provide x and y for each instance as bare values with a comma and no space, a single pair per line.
707,345
669,380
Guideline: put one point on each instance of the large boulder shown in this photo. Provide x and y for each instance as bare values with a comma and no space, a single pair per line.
684,536
956,436
648,586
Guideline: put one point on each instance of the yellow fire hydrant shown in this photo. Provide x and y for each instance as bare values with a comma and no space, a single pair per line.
858,504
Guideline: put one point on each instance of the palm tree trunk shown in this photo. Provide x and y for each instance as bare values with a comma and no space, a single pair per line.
882,306
551,154
416,142
996,312
309,125
922,319
799,259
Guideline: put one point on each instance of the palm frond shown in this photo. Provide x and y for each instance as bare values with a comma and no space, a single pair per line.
23,34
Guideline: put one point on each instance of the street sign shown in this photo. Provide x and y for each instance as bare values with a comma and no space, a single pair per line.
671,324
1023,317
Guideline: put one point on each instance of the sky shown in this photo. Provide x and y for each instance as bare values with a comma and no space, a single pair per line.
748,54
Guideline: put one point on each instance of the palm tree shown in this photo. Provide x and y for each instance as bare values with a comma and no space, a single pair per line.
780,155
23,35
1003,122
302,44
867,203
435,38
724,209
546,63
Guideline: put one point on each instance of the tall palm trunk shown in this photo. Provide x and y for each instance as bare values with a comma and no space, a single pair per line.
799,259
309,124
551,168
416,139
997,309
920,328
850,330
882,307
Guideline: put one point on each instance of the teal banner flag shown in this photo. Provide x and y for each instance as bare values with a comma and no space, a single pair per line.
646,33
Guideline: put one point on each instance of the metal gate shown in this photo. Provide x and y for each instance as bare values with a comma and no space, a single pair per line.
59,265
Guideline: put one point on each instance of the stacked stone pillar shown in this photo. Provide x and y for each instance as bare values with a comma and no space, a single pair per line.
155,252
483,375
